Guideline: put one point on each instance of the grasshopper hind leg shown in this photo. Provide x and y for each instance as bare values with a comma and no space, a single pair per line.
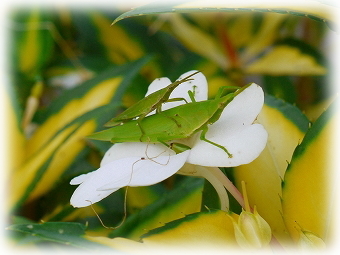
202,137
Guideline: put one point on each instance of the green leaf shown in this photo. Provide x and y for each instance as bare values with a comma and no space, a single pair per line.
212,229
29,176
99,38
314,10
308,186
60,138
32,41
118,51
197,233
67,233
17,138
31,48
139,197
288,111
127,72
280,87
190,35
287,59
264,36
304,48
210,199
184,199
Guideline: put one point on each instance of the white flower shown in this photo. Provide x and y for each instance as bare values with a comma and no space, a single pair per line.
235,131
142,164
126,171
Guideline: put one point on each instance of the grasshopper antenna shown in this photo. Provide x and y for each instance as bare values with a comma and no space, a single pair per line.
125,212
152,158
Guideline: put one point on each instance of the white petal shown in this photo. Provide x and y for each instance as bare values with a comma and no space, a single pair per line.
88,192
80,179
158,84
132,149
239,113
234,131
245,146
150,171
131,171
198,84
245,107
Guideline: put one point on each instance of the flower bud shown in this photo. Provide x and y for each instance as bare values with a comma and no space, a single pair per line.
309,240
252,231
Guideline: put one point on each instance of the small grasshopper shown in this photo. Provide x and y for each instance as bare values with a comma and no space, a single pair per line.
148,104
160,128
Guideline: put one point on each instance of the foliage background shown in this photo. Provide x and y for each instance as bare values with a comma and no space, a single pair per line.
59,56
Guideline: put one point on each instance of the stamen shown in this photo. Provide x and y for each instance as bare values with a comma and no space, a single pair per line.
245,197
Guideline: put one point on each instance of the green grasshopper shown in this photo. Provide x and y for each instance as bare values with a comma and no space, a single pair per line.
152,102
160,128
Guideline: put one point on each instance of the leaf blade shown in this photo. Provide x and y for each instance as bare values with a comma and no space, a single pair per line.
184,199
67,233
314,10
307,183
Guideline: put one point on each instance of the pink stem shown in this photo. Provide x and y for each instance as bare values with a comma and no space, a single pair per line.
228,185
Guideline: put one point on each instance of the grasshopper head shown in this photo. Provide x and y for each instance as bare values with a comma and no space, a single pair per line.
225,100
222,103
